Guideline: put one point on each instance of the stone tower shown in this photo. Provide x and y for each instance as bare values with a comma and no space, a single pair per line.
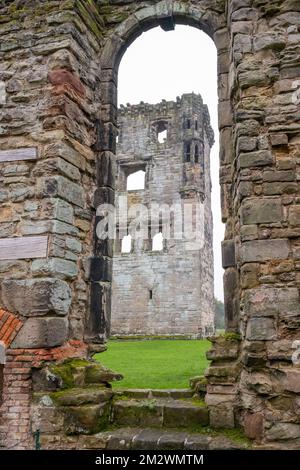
167,289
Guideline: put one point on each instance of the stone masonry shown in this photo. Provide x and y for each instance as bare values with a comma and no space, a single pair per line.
167,292
58,125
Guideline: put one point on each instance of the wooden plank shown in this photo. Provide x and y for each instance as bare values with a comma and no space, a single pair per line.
14,155
23,247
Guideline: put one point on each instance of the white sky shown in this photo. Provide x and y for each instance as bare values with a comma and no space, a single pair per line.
160,65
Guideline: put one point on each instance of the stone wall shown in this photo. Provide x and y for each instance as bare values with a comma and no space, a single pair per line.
58,98
167,292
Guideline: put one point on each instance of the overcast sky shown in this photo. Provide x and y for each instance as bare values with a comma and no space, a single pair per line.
160,65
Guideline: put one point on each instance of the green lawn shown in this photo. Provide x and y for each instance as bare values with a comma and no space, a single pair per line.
156,363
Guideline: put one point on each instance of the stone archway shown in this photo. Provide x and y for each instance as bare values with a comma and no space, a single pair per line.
252,149
167,15
59,122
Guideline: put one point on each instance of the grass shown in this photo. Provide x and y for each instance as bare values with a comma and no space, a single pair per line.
158,364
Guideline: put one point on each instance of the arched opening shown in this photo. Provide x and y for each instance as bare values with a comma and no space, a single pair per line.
191,125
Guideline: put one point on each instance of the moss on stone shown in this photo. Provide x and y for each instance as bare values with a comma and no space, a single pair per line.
194,401
67,369
231,336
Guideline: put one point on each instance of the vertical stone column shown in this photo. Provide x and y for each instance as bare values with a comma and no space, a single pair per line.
265,92
50,95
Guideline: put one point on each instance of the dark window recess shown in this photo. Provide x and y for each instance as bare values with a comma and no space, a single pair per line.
196,154
188,123
196,125
187,152
150,294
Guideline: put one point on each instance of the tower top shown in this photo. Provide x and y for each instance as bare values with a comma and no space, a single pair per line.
187,101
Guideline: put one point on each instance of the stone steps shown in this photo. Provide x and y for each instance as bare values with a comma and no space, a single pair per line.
148,438
175,393
165,412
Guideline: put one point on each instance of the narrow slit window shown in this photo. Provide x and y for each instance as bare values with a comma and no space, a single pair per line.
126,244
196,125
136,181
150,294
187,152
188,123
196,153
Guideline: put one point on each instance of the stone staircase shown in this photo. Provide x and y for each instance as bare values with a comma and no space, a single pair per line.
75,408
159,439
163,420
159,408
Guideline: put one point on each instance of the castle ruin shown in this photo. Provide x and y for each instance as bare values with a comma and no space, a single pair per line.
166,289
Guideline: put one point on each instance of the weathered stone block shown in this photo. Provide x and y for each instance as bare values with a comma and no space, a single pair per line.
261,329
86,419
97,374
228,253
136,413
82,396
63,269
106,170
223,348
253,159
66,152
279,139
47,419
294,215
291,381
36,297
183,415
283,432
98,269
268,301
57,165
253,425
42,333
261,210
263,250
61,187
269,40
231,299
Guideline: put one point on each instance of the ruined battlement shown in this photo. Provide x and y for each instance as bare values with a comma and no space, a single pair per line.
164,109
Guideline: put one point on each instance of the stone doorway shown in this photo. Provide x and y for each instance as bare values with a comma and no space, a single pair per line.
110,60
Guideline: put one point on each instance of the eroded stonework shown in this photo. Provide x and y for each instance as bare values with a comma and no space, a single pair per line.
166,292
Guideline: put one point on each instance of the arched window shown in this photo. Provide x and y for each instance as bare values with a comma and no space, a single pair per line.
136,181
161,128
126,244
158,242
187,152
196,153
